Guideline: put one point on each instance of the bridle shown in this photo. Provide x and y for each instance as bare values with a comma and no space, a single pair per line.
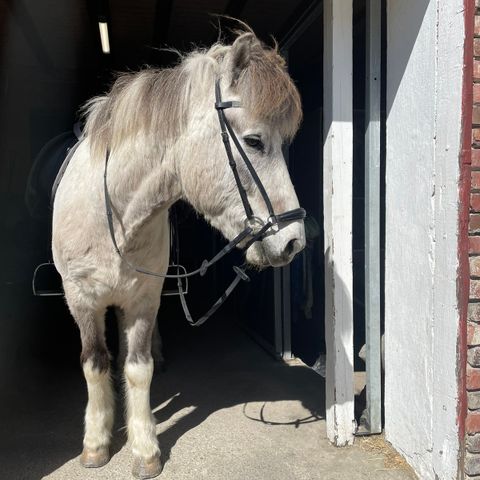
250,232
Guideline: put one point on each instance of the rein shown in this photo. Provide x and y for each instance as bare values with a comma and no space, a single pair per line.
250,222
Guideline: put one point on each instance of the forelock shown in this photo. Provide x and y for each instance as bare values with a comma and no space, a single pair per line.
267,91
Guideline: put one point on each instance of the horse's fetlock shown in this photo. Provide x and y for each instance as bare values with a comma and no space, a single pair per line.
145,448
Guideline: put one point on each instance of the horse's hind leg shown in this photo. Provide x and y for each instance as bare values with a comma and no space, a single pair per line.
122,338
95,359
157,346
138,376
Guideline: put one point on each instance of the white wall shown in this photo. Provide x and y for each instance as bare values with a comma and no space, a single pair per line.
424,79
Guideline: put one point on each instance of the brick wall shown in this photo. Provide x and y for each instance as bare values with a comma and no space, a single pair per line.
472,423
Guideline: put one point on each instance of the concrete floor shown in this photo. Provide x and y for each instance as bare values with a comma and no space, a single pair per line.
225,410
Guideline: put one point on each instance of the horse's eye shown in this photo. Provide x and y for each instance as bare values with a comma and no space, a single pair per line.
254,142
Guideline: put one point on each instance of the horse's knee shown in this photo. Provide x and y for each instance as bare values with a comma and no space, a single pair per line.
139,373
140,344
95,359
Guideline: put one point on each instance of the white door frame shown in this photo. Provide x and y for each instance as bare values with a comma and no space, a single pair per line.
337,198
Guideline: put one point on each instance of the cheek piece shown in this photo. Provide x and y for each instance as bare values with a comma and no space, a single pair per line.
255,229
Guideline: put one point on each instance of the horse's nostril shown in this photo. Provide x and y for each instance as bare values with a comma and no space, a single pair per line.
292,247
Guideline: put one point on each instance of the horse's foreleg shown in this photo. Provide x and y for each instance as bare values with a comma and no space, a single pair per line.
99,414
138,377
158,360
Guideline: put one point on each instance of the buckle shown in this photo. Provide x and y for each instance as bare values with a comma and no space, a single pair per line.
183,282
241,273
229,104
204,267
273,220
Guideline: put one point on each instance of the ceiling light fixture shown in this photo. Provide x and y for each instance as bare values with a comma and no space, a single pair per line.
103,26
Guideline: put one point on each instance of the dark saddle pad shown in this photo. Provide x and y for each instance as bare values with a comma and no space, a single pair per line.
44,172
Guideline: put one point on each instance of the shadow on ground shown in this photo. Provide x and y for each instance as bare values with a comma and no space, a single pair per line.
209,371
225,409
223,368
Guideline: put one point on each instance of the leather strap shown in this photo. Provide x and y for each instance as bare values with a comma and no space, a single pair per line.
221,300
220,106
227,132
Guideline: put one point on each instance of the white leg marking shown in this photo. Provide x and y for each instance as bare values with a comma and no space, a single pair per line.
100,408
141,423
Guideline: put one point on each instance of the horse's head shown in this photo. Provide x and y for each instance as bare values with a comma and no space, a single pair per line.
268,118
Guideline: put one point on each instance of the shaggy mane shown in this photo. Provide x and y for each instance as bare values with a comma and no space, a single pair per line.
149,102
154,103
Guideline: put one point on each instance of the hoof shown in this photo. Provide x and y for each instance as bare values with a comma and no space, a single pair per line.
94,458
144,469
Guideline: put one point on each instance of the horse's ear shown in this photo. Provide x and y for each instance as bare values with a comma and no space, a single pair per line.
240,54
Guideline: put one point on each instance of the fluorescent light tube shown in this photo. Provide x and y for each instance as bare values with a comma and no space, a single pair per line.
104,37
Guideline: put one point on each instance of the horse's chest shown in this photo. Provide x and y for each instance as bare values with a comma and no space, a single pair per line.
150,250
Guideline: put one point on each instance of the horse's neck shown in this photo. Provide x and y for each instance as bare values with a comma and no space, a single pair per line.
141,185
145,179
